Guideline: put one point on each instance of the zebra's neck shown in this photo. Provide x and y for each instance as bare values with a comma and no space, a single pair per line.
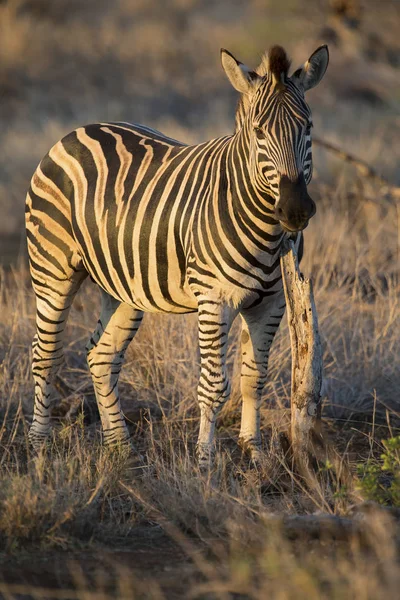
250,206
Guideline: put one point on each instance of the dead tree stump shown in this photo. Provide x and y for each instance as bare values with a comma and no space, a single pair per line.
306,358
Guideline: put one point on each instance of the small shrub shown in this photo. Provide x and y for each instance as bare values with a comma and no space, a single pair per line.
380,480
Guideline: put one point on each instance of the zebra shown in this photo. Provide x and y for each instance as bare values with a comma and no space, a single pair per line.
165,227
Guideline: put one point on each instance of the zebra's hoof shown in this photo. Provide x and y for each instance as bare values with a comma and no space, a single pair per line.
205,456
39,441
253,450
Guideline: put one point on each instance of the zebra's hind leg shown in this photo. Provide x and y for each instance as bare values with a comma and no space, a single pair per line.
106,348
54,296
259,326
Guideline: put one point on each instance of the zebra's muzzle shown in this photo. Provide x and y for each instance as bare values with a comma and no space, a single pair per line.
295,207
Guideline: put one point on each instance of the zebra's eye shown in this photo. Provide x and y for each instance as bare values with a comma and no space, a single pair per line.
308,128
259,132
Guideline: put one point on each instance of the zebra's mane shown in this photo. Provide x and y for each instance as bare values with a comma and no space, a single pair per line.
276,62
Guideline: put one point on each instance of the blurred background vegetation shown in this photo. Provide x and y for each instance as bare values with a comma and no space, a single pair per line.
66,63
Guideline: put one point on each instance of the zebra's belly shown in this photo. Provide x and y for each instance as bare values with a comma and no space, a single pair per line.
149,293
178,300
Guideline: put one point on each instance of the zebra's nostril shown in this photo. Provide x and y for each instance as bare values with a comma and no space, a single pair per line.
279,211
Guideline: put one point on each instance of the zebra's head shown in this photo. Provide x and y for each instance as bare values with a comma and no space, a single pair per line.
276,121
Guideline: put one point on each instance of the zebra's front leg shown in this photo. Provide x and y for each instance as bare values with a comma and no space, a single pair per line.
115,329
215,320
258,330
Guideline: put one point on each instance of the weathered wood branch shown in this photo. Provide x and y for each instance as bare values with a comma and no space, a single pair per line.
306,356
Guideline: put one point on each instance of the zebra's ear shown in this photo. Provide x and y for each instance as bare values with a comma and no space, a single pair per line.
313,70
240,76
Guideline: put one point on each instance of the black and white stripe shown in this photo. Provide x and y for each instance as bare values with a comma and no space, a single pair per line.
165,227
